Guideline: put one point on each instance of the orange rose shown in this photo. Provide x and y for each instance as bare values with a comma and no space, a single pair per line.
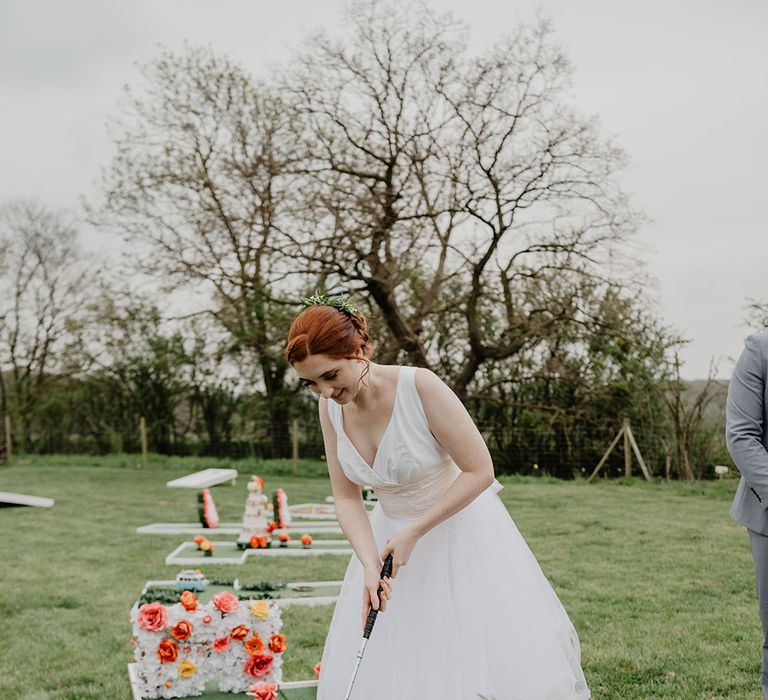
258,665
181,630
255,645
239,633
306,539
197,539
263,691
277,643
284,537
272,526
152,617
167,651
189,601
225,601
254,541
220,644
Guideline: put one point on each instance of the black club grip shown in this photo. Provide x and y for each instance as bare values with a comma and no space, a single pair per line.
386,570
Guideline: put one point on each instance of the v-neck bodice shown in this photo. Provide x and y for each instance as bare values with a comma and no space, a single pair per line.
386,430
407,450
411,468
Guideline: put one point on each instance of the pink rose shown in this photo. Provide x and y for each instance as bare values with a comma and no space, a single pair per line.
153,617
263,691
220,644
207,619
226,602
258,665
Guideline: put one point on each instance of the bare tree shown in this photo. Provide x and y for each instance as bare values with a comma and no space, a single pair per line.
45,287
201,183
464,195
380,204
687,414
757,314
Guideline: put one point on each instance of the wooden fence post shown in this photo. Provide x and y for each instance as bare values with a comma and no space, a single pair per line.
295,444
630,445
627,449
144,445
8,439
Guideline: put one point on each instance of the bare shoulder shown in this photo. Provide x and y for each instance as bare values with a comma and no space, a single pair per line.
433,391
325,419
427,382
452,426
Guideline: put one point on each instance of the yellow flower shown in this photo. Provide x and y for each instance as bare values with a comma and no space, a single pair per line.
187,669
260,609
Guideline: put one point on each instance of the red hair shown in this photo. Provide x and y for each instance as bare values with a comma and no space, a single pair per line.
326,330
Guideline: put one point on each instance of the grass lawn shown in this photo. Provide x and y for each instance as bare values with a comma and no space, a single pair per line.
656,577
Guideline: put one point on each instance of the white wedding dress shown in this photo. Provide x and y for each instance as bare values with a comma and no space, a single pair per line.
471,615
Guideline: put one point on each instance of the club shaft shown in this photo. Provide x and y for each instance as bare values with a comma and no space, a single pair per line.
358,659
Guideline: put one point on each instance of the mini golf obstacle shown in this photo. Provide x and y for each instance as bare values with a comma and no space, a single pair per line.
307,593
202,482
8,500
291,690
312,527
278,595
188,554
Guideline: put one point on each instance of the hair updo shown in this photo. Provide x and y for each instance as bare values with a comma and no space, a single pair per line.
321,329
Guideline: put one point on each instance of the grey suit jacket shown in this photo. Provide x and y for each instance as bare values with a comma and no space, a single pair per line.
746,433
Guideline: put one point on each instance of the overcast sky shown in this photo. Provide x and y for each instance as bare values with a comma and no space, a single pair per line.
682,85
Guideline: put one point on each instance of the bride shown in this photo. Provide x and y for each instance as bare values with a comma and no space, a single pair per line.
467,613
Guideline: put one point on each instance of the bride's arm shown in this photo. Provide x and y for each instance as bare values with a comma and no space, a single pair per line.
455,430
347,498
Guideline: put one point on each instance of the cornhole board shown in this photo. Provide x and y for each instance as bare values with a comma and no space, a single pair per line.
19,499
297,593
312,527
290,690
203,479
187,553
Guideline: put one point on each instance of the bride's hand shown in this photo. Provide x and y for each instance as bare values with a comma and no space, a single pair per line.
400,546
370,596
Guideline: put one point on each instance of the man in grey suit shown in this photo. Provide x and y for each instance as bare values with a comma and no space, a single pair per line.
746,434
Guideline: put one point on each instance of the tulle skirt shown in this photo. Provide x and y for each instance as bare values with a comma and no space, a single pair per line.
471,616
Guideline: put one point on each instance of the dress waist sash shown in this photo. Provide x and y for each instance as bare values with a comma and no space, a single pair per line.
413,499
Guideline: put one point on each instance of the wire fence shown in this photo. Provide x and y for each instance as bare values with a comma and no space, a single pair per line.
514,450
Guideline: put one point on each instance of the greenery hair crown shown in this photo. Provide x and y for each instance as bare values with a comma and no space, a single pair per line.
319,297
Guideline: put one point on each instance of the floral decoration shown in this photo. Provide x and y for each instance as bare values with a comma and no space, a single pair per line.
260,609
277,643
235,643
181,630
226,602
258,665
254,645
263,691
189,601
153,617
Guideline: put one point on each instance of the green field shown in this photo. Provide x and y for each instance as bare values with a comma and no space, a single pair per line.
656,577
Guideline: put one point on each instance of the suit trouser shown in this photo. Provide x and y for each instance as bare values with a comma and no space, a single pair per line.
759,545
